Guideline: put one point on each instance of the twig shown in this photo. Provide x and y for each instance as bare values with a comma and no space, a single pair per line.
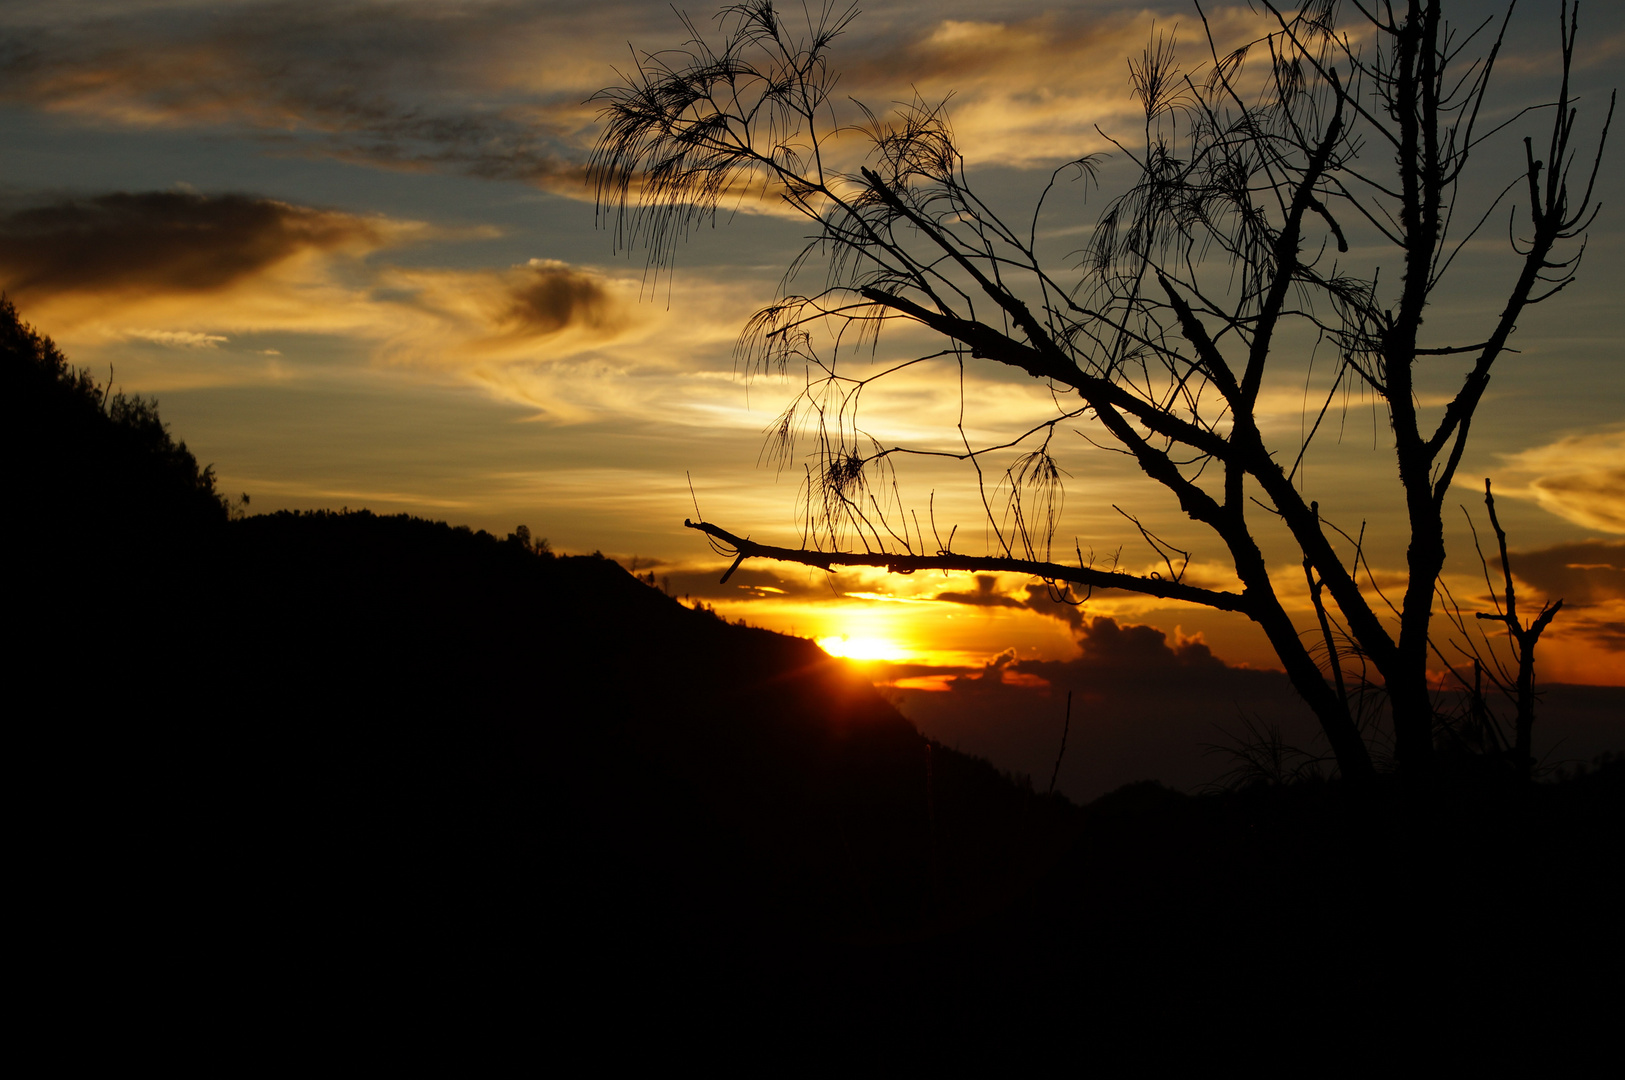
1064,730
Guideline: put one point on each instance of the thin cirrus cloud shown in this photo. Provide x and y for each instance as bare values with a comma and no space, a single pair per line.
133,265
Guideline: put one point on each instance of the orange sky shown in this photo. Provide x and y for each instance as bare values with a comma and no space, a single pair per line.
349,248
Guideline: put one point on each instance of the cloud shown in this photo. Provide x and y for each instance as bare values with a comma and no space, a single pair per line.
1607,634
1580,478
1147,705
184,339
476,318
182,268
491,90
763,580
1033,597
167,242
983,596
1114,653
1595,498
1586,641
1069,607
192,270
547,296
1028,91
746,582
503,90
1134,650
1143,706
290,268
1581,573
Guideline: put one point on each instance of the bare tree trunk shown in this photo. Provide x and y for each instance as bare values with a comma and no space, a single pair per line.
1353,759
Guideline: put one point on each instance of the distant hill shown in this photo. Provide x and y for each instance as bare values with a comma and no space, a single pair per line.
371,723
338,762
447,689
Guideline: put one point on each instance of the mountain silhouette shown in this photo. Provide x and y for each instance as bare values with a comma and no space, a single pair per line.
334,763
386,729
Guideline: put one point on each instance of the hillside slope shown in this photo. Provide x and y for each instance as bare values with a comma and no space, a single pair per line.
449,694
347,730
336,763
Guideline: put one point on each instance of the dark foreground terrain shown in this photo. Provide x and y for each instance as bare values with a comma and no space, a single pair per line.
305,769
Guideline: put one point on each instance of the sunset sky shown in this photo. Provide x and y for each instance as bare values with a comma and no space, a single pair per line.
349,248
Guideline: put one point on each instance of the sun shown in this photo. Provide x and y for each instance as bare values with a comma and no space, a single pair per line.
862,648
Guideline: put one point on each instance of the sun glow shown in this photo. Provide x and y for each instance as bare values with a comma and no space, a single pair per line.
906,630
863,648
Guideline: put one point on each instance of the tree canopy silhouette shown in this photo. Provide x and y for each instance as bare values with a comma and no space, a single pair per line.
1309,188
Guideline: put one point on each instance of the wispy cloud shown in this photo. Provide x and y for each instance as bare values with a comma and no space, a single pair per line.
503,90
495,313
406,85
1580,478
189,269
1026,91
184,339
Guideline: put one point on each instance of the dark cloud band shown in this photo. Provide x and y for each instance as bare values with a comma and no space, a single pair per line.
160,242
1580,573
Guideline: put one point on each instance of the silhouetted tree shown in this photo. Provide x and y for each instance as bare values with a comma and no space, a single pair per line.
1230,248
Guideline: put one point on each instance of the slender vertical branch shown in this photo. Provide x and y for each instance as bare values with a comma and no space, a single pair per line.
1524,640
1066,729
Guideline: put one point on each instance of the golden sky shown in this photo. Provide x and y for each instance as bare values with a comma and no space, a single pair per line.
349,248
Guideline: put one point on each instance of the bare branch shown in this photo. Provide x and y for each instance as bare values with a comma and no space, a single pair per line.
1087,576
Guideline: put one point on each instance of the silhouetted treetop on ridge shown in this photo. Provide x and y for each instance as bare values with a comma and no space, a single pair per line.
81,453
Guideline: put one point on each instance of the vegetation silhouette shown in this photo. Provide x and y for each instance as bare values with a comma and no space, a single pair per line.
326,764
87,454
